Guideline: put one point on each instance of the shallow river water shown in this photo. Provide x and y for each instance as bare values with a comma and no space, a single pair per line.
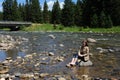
105,65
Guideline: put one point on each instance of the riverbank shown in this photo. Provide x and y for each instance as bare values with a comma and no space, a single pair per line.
60,28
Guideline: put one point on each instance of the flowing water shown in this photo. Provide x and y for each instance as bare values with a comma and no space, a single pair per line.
106,64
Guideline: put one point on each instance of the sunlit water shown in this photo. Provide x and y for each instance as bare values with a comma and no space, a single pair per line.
105,65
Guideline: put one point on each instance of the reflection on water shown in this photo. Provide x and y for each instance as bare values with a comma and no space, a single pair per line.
2,55
10,53
21,54
81,71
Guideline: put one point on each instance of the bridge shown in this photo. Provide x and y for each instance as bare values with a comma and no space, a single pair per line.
13,25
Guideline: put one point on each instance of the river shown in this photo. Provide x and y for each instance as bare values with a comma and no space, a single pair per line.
105,64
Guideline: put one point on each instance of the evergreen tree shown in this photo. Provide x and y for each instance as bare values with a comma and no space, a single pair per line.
115,12
22,12
87,12
15,12
45,13
68,13
56,13
7,10
28,10
102,20
94,21
98,7
78,13
109,23
35,11
1,15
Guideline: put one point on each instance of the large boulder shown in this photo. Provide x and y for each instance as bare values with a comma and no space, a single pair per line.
87,63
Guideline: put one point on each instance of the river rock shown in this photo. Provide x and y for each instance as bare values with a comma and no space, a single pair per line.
3,68
8,42
18,74
91,40
43,75
111,50
61,78
51,54
88,63
8,58
52,36
60,59
2,78
85,77
101,50
61,45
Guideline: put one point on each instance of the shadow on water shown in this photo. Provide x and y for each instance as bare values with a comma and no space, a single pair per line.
105,64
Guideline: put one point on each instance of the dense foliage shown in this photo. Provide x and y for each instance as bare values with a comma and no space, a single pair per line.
86,13
56,13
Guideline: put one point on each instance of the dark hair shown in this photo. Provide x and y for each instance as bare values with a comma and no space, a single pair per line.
86,43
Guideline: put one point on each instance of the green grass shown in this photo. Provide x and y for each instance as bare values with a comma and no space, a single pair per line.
104,30
4,29
60,28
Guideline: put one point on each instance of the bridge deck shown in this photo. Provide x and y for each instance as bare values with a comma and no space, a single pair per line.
14,23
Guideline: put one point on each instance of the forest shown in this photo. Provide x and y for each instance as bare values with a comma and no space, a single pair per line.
85,13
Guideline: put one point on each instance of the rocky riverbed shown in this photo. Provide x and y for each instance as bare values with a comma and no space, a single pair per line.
46,56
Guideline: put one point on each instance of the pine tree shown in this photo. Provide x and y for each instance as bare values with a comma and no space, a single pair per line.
35,11
22,11
68,13
45,13
109,23
94,21
102,20
87,12
114,11
78,13
56,13
28,10
15,12
7,10
1,15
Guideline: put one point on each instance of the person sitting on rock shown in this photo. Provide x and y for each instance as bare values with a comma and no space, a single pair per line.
83,54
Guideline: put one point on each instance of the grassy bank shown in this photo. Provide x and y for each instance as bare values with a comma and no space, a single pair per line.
60,28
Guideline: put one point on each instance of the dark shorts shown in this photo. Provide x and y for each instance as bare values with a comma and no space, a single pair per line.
81,58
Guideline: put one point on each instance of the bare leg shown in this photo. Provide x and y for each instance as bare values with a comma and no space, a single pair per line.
73,62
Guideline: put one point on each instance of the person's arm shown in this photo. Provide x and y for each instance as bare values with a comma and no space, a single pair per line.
86,57
87,51
79,54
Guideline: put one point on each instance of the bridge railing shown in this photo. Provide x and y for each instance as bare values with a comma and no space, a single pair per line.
13,25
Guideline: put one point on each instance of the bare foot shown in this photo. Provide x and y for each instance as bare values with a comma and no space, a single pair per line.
68,65
72,64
